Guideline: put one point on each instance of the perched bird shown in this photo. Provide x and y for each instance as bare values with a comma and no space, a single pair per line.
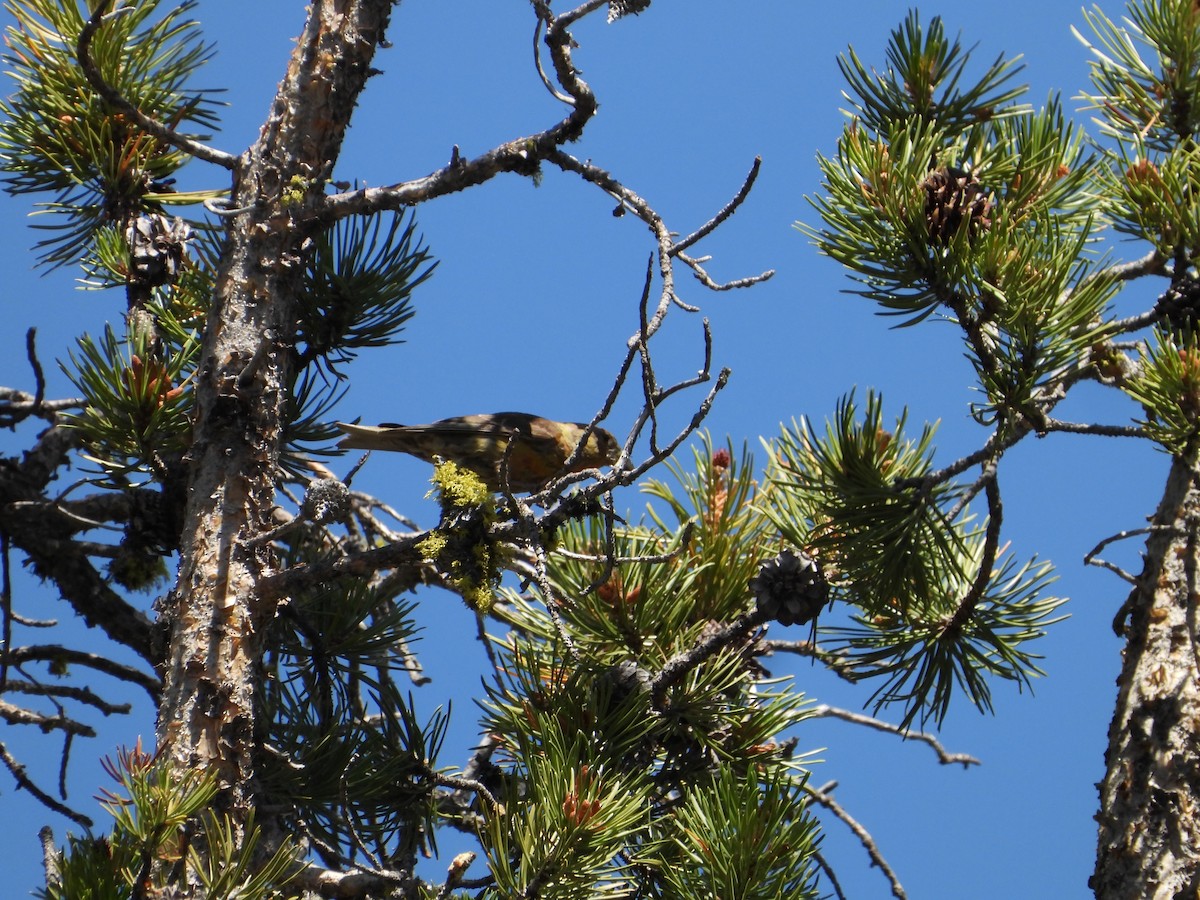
479,443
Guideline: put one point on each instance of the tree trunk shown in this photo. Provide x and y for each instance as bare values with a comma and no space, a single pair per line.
214,618
1149,816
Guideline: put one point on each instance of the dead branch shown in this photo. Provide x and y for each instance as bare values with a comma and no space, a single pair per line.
945,757
23,781
826,800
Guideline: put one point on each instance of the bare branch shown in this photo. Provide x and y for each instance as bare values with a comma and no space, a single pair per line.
39,377
1095,428
69,692
23,781
991,546
944,756
50,857
1150,264
45,538
6,610
705,279
1091,559
401,554
462,783
829,873
837,662
16,715
521,155
864,837
65,655
16,406
724,213
350,885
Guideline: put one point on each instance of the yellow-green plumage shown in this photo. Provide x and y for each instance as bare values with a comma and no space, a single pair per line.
540,447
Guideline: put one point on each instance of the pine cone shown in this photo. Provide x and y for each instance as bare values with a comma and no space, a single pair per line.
791,588
157,247
952,194
1179,307
618,8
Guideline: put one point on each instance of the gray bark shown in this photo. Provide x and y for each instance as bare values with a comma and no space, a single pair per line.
1149,844
207,718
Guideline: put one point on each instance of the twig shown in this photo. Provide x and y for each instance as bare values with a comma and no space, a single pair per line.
864,837
1095,428
23,781
705,279
59,654
39,377
16,715
1091,558
521,155
995,445
991,545
724,213
839,663
684,540
64,761
329,883
824,710
401,554
5,610
827,869
79,694
462,783
537,56
50,857
679,665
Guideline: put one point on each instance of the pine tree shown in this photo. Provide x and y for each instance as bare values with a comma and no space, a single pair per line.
632,744
630,739
949,198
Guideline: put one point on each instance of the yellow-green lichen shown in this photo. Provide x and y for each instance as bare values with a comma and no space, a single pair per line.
457,487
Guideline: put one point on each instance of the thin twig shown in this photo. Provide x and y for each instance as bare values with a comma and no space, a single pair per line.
839,663
724,213
23,781
864,837
827,869
543,11
1094,428
39,377
944,756
17,715
5,610
461,783
55,653
736,284
682,544
1091,558
991,545
79,694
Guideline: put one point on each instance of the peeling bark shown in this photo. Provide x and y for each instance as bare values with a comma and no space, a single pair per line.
217,620
1149,844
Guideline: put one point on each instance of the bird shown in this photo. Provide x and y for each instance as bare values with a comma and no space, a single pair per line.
540,447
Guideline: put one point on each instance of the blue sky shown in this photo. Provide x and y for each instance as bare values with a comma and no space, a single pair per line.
537,291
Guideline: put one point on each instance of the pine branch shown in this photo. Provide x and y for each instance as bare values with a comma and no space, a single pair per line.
114,98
